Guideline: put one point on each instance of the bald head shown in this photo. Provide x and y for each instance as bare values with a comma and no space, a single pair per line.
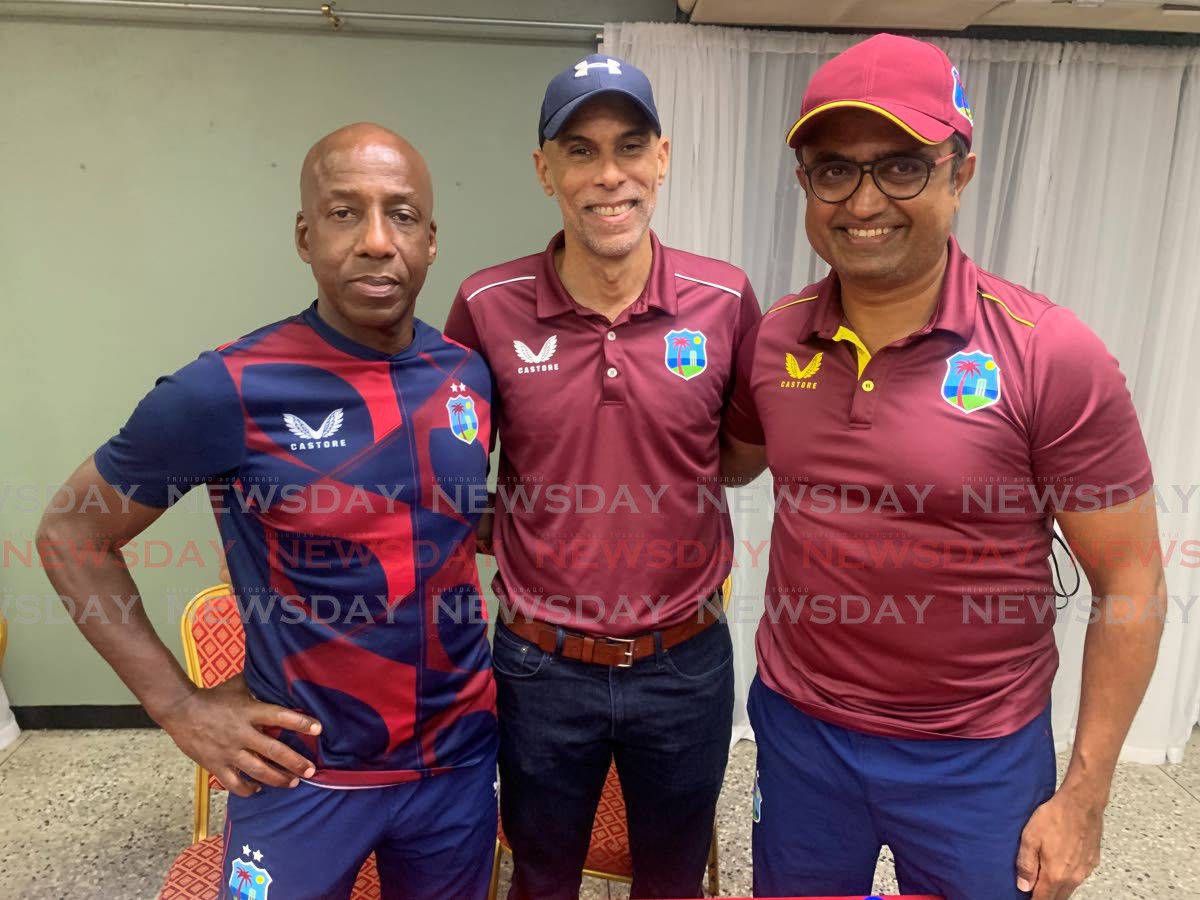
352,148
366,228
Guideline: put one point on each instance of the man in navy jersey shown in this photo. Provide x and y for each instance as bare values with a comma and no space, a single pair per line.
365,719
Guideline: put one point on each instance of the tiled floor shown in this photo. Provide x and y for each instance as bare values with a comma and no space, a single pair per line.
89,814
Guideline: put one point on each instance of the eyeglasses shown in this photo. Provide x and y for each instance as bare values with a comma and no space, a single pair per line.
897,177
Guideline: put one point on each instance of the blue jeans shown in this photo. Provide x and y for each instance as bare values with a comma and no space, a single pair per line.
952,810
666,722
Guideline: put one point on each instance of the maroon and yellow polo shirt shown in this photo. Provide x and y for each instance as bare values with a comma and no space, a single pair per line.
909,592
609,516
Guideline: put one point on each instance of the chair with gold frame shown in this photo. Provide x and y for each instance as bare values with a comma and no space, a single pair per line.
608,855
214,649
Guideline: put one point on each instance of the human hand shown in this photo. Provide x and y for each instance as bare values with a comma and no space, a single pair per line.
222,729
1060,845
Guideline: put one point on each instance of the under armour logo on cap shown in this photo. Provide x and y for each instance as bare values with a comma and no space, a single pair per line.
588,78
582,67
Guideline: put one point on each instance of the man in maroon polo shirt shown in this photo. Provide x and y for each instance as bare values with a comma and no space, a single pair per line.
613,358
926,423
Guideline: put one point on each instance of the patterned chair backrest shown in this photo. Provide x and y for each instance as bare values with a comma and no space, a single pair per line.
213,639
608,852
214,648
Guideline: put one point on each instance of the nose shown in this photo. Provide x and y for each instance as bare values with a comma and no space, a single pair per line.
375,237
867,200
610,174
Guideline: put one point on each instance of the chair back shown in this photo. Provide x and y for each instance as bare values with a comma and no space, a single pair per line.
214,649
608,853
214,642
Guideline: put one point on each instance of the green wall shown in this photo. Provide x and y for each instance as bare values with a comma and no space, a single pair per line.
149,184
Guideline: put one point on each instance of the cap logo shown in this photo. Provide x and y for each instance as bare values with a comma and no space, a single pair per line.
583,67
960,96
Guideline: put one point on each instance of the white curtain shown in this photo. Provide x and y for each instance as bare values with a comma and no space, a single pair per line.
1088,190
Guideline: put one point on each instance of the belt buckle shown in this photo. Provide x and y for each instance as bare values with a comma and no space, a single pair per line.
629,644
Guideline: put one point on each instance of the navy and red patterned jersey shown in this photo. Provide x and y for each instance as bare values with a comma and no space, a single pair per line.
345,483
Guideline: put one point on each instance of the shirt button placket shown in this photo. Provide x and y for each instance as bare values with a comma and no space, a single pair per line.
866,392
612,387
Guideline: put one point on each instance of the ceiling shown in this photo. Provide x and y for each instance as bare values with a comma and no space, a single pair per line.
950,15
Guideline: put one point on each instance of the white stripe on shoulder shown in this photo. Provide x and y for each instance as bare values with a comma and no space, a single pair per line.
719,287
498,283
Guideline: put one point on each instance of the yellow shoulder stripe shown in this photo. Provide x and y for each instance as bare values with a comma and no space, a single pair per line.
1011,314
793,303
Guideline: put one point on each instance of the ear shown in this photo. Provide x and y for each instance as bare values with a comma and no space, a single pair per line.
664,159
432,241
302,238
964,175
541,168
803,179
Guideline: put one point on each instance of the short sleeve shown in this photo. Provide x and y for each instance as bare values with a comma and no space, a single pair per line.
188,430
741,413
749,315
460,327
1085,438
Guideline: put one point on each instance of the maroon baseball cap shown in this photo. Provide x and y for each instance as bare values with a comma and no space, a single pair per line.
910,82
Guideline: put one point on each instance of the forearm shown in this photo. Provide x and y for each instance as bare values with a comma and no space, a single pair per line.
1120,652
107,608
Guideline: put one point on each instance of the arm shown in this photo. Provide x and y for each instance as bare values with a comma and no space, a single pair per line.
741,462
1061,843
483,537
460,327
219,728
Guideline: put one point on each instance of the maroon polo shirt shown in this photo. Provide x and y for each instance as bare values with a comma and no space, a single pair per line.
909,592
609,515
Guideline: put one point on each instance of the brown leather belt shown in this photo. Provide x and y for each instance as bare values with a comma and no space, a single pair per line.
605,651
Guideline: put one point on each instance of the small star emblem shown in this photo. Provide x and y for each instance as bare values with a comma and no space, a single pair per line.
245,849
258,856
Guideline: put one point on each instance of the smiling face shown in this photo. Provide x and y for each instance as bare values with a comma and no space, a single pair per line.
604,168
870,239
366,228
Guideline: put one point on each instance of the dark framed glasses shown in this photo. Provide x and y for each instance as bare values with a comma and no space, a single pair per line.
897,177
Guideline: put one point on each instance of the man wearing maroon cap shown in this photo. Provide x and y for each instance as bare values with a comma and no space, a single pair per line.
613,358
926,423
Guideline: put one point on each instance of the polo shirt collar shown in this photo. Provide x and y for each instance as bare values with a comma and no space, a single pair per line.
659,292
955,311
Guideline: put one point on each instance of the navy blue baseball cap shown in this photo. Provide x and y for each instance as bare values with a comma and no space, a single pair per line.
598,74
